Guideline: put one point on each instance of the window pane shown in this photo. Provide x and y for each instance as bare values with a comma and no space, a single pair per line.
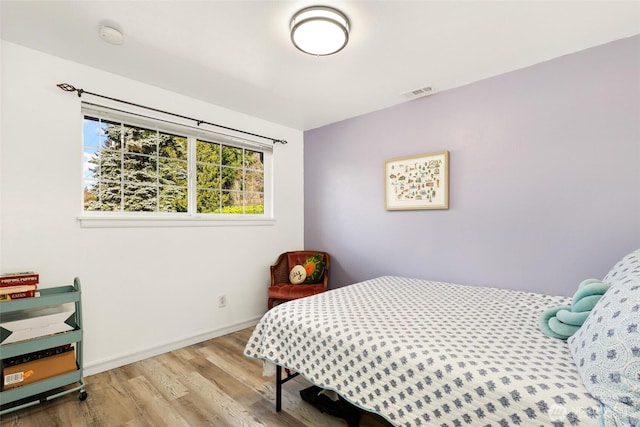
91,194
254,181
112,135
101,196
110,196
173,146
208,176
101,144
140,140
140,198
231,156
231,179
207,152
254,203
140,168
110,166
172,172
173,199
91,131
91,163
208,201
232,202
254,159
101,133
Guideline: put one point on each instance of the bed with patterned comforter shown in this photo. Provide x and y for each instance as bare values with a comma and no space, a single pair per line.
424,353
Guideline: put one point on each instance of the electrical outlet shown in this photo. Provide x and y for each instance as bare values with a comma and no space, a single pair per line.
222,301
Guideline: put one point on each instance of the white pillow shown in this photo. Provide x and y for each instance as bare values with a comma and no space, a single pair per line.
606,348
297,274
626,267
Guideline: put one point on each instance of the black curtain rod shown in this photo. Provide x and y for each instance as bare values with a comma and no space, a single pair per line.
70,88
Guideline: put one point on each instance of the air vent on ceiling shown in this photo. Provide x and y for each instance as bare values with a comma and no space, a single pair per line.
418,93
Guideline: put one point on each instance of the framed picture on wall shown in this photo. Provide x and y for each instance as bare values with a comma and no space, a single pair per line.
417,182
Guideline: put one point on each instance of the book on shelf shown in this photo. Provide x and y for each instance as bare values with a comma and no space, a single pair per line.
18,295
8,293
15,279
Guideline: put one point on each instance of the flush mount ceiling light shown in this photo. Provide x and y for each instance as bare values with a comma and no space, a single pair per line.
319,30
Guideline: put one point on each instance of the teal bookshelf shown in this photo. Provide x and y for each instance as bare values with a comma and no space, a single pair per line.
32,394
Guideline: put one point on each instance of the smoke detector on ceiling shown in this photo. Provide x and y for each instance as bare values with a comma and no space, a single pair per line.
110,34
419,92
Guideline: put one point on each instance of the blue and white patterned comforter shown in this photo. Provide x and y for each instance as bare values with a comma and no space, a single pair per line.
422,353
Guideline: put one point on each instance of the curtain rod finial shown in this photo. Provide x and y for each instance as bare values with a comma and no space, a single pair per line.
70,88
66,87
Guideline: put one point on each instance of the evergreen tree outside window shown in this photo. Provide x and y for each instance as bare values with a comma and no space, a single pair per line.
141,169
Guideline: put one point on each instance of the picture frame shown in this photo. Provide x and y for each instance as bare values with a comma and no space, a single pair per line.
417,182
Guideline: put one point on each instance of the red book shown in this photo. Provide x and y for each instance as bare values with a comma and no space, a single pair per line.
16,279
18,295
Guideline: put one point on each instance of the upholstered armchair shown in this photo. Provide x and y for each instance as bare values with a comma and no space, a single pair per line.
282,289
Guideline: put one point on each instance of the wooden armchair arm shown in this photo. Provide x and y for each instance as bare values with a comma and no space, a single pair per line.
325,275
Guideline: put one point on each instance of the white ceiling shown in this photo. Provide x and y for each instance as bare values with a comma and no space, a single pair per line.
237,54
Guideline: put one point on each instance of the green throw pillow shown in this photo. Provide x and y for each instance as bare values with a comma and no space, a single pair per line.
314,266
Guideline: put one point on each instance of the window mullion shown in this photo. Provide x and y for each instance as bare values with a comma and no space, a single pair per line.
157,170
220,179
191,176
243,188
122,171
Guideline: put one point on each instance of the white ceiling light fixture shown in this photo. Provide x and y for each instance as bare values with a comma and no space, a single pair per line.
110,34
319,30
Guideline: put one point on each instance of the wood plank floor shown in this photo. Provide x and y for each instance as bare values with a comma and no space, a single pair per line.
206,384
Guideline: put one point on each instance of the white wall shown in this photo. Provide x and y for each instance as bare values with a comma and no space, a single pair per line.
145,290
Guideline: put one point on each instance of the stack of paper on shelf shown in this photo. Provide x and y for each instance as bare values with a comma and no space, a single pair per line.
37,322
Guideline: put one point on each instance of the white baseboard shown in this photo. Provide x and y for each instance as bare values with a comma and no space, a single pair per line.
105,365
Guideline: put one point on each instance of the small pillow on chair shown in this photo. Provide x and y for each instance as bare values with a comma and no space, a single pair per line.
314,266
297,274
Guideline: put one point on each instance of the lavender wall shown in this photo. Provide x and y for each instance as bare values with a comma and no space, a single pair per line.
544,184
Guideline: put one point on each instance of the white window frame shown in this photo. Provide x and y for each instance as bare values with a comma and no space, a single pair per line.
101,219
